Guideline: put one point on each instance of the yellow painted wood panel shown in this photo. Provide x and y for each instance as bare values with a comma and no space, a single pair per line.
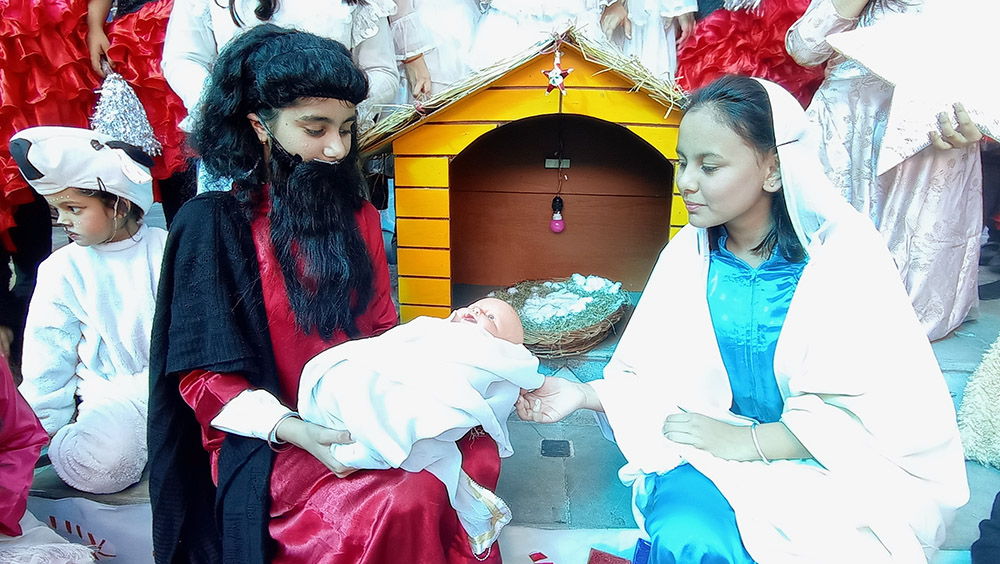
439,138
500,106
424,262
422,202
432,233
585,73
409,312
678,213
674,231
664,138
429,172
427,291
615,106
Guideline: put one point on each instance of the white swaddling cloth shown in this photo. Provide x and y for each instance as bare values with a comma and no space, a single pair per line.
407,395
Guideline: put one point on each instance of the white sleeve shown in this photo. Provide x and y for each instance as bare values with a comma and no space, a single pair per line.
410,37
189,50
805,40
252,413
674,8
49,360
377,58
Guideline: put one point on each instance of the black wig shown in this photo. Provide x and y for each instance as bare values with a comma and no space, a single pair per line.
324,259
742,104
261,71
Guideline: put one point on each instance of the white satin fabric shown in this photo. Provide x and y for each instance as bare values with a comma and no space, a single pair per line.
407,395
927,208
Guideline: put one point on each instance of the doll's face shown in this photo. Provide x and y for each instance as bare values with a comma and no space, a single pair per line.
723,180
496,316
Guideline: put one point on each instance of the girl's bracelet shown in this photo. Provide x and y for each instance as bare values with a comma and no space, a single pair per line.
272,438
416,57
756,443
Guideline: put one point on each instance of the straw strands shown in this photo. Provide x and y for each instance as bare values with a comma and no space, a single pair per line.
406,116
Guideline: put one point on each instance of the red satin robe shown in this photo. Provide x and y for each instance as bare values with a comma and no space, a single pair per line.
370,516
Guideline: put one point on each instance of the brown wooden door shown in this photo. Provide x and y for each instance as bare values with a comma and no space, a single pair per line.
616,193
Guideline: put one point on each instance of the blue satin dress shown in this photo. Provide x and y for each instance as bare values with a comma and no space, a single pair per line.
687,517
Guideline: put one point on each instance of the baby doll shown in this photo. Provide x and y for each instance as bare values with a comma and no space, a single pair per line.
86,349
407,395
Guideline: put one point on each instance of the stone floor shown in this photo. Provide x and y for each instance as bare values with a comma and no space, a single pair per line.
568,499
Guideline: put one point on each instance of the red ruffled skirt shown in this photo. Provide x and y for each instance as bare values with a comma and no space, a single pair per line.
748,43
373,515
46,79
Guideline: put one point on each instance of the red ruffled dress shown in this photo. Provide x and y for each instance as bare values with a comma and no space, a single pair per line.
46,79
372,515
748,43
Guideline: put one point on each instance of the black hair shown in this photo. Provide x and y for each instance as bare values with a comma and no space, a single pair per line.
324,259
742,104
876,6
116,203
265,69
265,9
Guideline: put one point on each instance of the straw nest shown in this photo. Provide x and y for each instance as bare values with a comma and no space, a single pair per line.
570,334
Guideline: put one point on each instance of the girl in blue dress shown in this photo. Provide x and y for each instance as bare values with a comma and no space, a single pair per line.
756,391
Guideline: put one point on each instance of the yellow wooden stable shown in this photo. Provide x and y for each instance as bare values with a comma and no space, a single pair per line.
423,153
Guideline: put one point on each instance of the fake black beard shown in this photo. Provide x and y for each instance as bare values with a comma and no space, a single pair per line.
327,269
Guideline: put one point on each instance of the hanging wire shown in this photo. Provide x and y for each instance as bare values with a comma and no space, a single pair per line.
560,176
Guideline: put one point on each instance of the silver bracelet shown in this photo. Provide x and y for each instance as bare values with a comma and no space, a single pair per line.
756,443
272,437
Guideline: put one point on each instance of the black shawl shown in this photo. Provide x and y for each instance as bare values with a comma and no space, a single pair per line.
209,315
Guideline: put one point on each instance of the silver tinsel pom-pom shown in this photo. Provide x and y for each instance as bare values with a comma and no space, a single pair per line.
748,5
120,115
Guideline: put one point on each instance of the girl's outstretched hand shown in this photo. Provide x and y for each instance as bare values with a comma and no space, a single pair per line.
418,76
98,44
316,441
950,137
615,16
726,441
686,24
554,400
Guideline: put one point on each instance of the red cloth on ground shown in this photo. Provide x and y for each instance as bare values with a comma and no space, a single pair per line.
748,43
46,79
21,440
370,516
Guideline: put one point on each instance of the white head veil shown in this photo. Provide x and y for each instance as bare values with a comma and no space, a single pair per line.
813,204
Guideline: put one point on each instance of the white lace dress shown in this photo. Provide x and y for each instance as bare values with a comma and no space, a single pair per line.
654,38
442,31
198,29
928,208
508,27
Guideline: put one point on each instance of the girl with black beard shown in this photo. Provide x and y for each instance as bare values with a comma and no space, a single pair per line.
255,282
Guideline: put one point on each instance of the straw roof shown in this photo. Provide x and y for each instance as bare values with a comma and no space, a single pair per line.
409,116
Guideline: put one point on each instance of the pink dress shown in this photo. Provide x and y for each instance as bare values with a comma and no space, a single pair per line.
928,208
